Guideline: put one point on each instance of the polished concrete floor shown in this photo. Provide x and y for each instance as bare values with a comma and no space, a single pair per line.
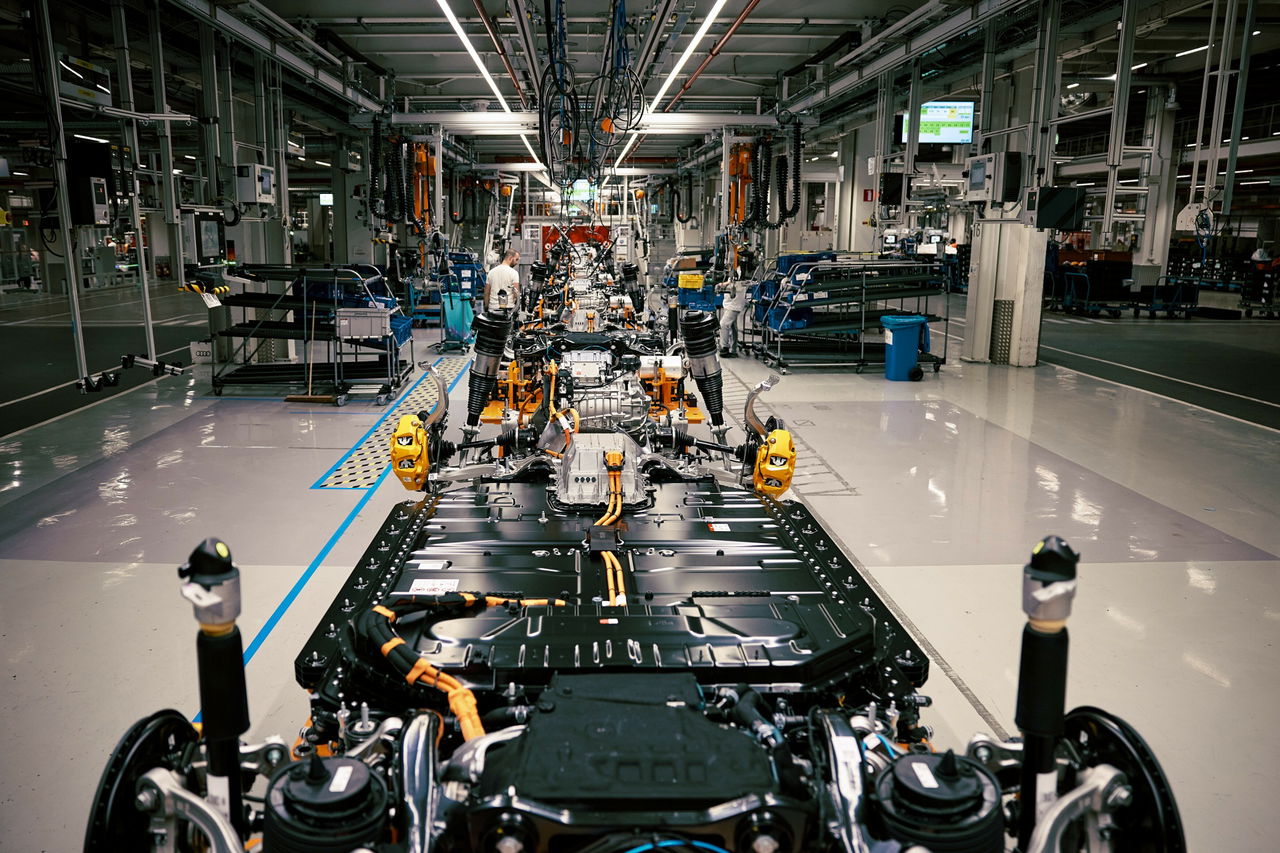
938,489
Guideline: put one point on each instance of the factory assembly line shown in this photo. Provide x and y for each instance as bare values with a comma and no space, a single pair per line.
599,627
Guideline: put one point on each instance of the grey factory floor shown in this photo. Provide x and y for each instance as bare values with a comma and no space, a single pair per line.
938,489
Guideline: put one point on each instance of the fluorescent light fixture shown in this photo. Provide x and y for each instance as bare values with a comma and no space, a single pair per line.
1085,185
321,163
20,174
188,156
475,57
1239,172
1251,183
1136,67
89,138
484,72
103,88
1257,32
177,171
69,68
1193,50
302,159
1073,85
684,57
1128,181
835,153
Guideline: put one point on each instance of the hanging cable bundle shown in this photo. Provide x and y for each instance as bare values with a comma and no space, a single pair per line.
758,185
797,150
377,205
684,212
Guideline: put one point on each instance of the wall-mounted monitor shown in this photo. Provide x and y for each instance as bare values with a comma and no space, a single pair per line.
890,239
326,199
946,122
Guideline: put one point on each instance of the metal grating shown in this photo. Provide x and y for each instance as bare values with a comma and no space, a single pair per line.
1001,331
362,466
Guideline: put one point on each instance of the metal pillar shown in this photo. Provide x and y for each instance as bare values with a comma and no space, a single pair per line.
988,86
169,190
1120,109
1204,105
1220,96
438,201
130,133
1237,112
49,61
724,178
210,144
1044,104
913,144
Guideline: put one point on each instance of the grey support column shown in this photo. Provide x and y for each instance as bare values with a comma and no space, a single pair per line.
169,190
124,72
49,66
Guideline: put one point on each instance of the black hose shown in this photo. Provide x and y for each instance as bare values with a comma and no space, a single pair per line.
797,149
761,199
780,170
752,217
687,208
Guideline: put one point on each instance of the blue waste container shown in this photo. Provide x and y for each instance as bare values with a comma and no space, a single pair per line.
904,337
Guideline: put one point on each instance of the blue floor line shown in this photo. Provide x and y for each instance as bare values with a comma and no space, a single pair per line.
287,602
270,624
391,408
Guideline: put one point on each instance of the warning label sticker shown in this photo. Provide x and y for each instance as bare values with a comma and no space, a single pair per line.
433,586
719,527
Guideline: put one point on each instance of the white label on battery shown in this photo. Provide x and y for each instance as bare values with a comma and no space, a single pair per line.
821,294
719,527
433,586
219,794
888,336
924,774
341,779
211,300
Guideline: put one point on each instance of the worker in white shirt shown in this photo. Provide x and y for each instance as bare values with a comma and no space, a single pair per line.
735,302
502,286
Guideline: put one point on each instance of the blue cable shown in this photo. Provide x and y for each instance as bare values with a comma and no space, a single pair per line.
677,843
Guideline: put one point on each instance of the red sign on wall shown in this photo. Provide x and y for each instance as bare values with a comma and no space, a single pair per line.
868,195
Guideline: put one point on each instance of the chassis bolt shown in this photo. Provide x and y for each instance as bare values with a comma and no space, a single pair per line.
1120,797
146,800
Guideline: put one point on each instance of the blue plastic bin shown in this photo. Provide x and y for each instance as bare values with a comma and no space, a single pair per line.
904,338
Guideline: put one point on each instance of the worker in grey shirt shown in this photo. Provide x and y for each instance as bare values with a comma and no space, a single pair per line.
502,287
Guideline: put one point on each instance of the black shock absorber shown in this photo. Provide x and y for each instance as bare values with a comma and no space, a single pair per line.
492,329
698,328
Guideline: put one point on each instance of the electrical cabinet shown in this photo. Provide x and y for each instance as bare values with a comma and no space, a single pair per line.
255,184
995,178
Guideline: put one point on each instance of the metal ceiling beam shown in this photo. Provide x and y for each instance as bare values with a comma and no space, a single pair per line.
497,123
910,47
210,12
375,21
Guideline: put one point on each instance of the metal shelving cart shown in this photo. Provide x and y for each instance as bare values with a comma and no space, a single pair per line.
820,313
349,310
1259,294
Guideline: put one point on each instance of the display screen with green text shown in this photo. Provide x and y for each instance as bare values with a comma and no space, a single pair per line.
946,122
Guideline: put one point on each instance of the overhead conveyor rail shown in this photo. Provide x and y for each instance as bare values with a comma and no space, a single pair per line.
819,313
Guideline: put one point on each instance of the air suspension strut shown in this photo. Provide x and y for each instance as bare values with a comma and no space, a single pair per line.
492,329
1048,588
211,582
698,328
